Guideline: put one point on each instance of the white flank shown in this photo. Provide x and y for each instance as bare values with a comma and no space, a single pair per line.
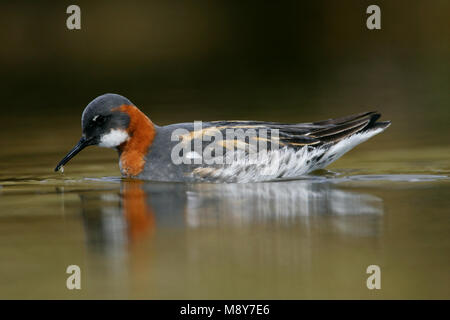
113,139
283,163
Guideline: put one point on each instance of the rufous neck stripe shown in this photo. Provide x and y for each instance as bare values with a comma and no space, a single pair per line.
142,133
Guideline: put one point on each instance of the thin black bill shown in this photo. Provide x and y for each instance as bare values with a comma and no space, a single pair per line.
83,143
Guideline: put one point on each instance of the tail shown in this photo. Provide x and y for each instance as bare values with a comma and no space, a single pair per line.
332,131
338,136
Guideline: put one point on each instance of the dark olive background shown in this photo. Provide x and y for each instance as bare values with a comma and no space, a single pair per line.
188,60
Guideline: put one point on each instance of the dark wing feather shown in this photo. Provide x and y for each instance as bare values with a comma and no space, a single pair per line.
311,134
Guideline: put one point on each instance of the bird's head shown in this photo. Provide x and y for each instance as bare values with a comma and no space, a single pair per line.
105,122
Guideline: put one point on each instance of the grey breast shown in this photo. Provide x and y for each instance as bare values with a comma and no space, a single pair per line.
159,165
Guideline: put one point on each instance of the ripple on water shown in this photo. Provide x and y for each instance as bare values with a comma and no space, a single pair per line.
397,177
335,177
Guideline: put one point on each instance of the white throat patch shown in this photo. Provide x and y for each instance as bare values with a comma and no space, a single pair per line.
113,139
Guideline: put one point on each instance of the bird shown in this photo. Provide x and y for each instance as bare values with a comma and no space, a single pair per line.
232,151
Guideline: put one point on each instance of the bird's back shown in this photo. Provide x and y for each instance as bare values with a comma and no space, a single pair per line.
243,151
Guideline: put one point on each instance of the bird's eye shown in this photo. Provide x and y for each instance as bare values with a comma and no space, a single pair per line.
98,119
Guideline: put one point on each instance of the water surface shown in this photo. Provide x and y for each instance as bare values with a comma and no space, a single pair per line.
303,238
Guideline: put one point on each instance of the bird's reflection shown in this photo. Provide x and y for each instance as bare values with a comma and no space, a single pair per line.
141,208
139,215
